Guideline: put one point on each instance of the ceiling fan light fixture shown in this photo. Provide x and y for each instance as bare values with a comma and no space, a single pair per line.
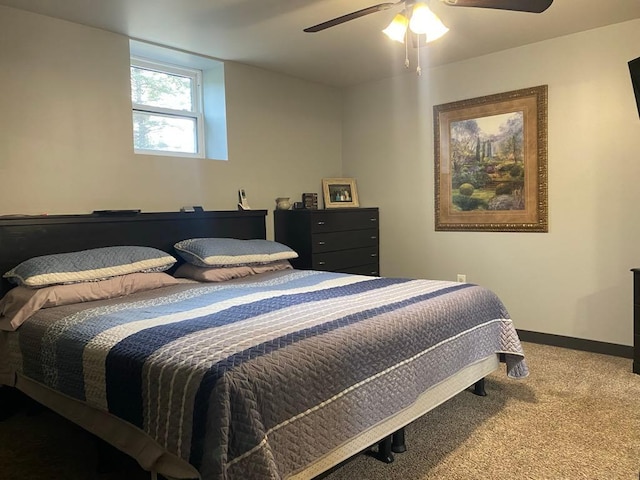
424,21
436,30
397,29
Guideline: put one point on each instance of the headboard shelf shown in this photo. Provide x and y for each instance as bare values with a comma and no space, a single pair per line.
89,218
30,236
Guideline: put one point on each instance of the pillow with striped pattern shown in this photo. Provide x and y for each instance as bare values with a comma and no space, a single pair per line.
227,252
88,265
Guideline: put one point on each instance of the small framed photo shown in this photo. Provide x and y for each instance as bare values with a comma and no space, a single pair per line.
340,192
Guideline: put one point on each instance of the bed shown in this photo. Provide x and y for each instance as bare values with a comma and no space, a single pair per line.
279,374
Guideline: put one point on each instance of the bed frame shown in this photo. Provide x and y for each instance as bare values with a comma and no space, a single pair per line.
24,237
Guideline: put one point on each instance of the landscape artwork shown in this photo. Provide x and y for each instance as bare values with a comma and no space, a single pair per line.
491,162
487,163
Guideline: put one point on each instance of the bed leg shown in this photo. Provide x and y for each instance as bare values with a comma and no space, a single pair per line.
478,388
7,407
384,450
397,442
12,401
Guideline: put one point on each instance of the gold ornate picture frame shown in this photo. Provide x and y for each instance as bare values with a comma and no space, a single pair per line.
340,192
491,163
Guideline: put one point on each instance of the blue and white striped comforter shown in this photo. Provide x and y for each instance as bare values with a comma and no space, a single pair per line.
259,377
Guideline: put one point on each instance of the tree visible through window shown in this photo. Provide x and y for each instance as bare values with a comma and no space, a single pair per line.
167,109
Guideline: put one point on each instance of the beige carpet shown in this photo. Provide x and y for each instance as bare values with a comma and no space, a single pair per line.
576,417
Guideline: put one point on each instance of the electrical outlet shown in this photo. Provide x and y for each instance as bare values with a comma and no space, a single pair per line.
462,277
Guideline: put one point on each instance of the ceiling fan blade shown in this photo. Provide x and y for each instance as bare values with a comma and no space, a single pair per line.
350,16
533,6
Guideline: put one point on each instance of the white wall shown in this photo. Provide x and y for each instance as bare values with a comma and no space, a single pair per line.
572,281
66,130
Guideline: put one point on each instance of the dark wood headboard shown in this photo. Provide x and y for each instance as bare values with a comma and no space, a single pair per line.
24,237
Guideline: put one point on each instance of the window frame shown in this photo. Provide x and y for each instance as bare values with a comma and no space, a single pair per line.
197,114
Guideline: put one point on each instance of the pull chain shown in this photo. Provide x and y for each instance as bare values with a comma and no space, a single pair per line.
406,49
418,69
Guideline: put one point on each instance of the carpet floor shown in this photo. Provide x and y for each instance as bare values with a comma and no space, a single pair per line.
577,416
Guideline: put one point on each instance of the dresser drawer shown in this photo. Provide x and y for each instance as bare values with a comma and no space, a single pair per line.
346,220
328,242
343,259
371,269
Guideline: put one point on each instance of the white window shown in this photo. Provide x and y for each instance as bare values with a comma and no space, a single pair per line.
179,103
167,109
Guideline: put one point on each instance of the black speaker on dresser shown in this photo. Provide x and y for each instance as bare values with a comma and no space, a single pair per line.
634,69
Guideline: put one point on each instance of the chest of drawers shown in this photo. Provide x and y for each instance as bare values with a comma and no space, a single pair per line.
340,240
636,320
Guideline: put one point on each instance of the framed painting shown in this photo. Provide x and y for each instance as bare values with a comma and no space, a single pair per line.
491,163
340,192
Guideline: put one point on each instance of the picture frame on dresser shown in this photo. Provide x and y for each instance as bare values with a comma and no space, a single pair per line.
340,193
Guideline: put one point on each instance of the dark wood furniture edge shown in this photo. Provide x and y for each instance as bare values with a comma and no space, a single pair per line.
6,220
636,319
593,346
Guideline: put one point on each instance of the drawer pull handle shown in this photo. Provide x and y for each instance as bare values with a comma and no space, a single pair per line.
374,273
373,219
374,254
321,263
321,243
373,237
320,223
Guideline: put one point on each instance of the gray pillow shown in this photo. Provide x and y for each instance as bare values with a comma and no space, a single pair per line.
88,265
222,252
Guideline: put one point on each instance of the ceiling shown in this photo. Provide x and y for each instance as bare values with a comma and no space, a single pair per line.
268,33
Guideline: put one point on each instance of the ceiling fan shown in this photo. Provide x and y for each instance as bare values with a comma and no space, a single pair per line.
416,17
533,6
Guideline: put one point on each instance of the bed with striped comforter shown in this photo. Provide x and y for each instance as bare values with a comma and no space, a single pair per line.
260,377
